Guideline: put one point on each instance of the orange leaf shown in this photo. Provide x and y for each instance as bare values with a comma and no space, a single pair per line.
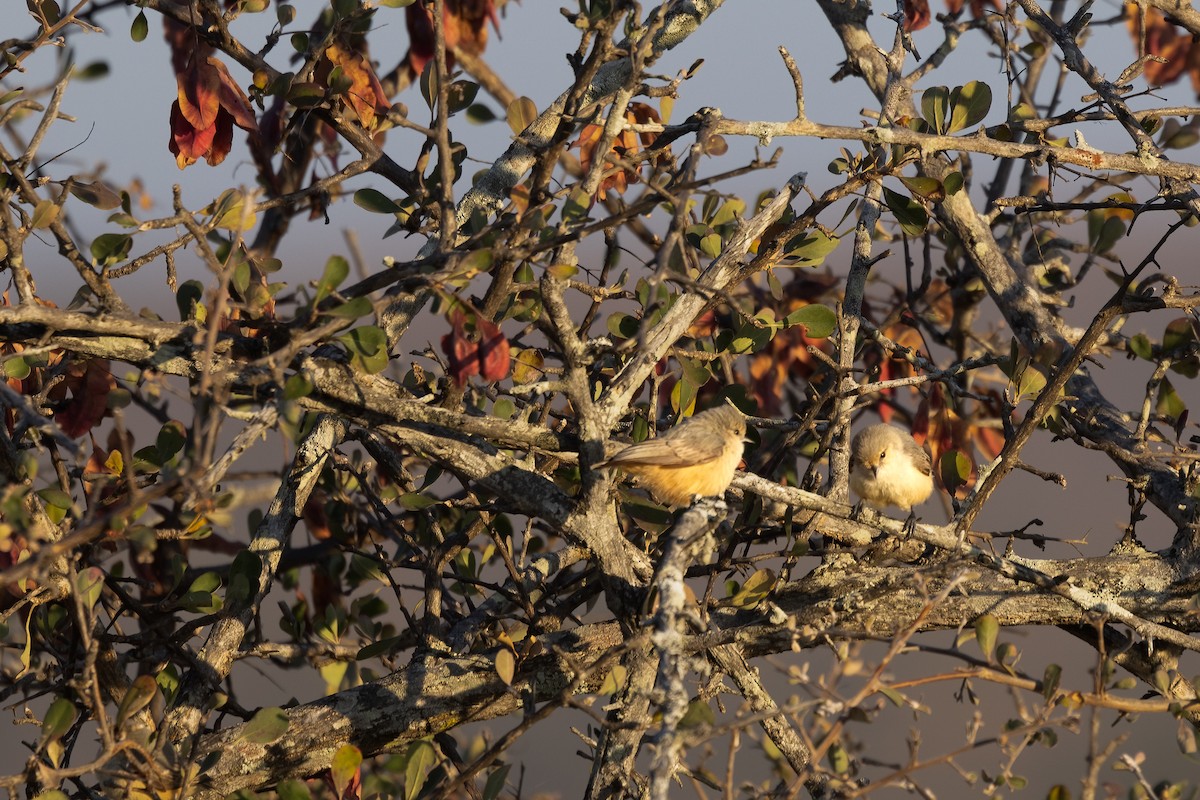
199,94
365,95
1163,40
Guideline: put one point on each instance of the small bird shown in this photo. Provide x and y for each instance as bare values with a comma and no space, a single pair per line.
889,468
696,458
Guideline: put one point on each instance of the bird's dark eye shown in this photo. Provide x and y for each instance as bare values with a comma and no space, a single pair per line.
882,455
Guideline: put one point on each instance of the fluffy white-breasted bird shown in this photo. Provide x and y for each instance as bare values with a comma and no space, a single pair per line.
889,468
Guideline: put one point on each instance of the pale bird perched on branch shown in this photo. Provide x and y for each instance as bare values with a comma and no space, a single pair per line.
696,458
889,468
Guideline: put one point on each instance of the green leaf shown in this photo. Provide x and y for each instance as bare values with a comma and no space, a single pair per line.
1178,335
576,206
527,366
474,263
683,397
1105,229
698,715
461,94
935,103
297,386
111,248
1170,405
521,113
503,409
56,498
953,183
929,188
1031,381
495,782
44,214
140,27
189,299
247,565
908,212
170,440
954,467
614,681
415,501
421,757
809,249
207,582
969,104
58,720
292,789
90,583
622,326
506,665
229,212
376,202
1141,347
168,682
368,348
92,71
352,309
379,648
96,194
480,114
333,673
141,693
344,767
1176,136
266,726
711,245
895,697
756,589
336,270
201,602
987,628
818,321
17,368
1050,681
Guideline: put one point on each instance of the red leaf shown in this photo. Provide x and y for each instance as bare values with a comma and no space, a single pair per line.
494,356
916,14
199,94
222,141
89,383
465,27
487,353
1163,40
188,144
208,105
233,99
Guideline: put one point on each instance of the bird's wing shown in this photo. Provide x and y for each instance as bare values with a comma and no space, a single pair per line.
668,450
921,456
